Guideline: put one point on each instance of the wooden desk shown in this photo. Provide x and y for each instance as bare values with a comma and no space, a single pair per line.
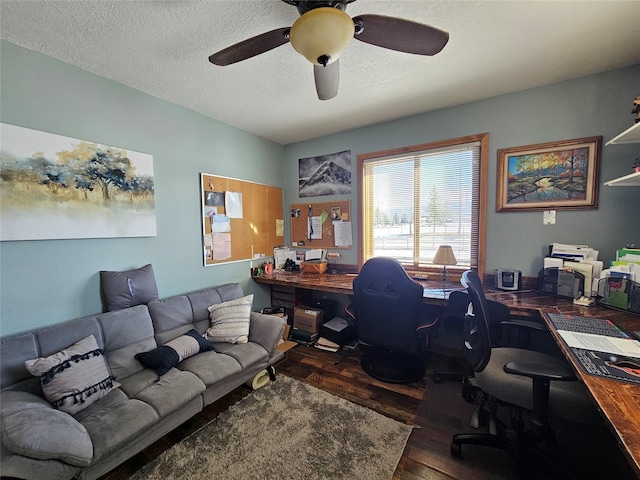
619,402
435,292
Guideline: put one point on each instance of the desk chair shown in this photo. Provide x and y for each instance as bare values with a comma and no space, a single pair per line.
391,321
522,379
500,326
452,321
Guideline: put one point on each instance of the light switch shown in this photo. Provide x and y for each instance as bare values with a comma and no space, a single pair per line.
549,217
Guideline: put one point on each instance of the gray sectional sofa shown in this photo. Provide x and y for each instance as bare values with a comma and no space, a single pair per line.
42,442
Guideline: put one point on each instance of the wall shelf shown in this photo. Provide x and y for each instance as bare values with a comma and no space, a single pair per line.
631,180
630,135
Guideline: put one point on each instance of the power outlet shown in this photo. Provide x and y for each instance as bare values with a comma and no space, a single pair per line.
549,217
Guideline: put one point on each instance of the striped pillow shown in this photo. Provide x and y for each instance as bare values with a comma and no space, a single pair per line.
163,358
230,321
75,377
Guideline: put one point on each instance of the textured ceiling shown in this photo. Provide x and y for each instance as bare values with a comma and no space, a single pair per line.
162,48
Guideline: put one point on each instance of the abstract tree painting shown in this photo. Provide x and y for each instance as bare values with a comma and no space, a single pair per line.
56,187
559,175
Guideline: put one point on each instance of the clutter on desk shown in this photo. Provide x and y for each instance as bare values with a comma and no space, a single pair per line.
561,282
619,285
280,256
576,274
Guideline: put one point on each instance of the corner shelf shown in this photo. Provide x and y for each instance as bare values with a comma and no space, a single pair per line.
631,180
630,135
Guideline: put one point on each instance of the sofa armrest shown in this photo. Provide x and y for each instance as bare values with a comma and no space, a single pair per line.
32,428
266,330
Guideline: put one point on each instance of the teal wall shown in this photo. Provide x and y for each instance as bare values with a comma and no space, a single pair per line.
45,282
595,105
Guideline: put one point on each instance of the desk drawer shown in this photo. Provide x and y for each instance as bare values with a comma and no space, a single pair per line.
288,297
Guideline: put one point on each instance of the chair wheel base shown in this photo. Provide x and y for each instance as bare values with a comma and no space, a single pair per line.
392,367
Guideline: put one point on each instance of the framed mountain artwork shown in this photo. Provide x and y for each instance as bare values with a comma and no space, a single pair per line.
325,175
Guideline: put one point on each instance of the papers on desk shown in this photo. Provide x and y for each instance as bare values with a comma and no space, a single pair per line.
600,343
315,255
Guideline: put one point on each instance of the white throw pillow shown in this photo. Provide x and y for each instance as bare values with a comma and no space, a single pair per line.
75,377
230,321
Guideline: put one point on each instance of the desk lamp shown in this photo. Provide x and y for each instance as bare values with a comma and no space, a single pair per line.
444,256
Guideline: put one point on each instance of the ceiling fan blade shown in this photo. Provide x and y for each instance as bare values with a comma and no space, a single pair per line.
327,80
251,47
400,34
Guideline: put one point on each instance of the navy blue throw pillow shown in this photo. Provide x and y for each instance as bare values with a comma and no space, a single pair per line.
163,358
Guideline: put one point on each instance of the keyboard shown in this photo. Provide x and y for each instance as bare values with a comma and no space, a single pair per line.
577,323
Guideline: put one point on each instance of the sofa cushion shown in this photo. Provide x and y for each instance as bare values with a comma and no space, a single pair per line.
129,288
230,321
75,377
163,358
31,427
172,391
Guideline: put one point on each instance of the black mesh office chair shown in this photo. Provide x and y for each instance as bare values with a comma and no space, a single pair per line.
527,380
391,319
452,321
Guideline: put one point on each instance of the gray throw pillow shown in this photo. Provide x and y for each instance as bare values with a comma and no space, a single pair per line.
129,288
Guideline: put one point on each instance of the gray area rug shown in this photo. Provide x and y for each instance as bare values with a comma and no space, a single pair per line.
287,430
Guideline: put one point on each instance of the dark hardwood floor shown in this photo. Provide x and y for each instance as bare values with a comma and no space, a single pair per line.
437,410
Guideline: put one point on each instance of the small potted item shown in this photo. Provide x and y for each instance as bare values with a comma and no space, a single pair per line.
268,268
636,165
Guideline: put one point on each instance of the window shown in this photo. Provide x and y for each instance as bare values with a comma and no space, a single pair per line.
415,199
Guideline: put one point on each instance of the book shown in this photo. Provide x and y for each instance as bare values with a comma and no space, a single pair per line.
303,337
324,344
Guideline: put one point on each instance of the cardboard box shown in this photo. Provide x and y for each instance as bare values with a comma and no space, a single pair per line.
286,344
307,318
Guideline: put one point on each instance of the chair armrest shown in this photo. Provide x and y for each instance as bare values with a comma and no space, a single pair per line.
540,327
559,371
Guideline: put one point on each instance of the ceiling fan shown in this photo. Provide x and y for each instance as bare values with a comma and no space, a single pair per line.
324,30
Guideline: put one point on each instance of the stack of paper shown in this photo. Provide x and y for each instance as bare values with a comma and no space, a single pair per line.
572,252
581,258
315,255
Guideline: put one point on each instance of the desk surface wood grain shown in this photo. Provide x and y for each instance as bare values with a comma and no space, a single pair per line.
618,401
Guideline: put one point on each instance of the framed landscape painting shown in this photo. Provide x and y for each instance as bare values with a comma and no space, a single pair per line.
549,176
56,187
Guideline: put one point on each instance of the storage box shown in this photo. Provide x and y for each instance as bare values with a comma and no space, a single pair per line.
307,318
313,267
339,331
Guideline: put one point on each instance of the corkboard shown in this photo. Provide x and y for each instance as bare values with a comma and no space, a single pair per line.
255,233
300,223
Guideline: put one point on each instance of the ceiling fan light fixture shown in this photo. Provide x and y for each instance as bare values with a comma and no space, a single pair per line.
322,34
